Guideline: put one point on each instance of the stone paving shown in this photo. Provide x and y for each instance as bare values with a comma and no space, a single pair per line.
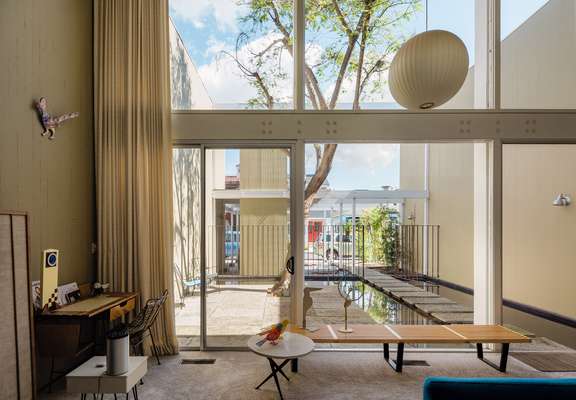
237,311
436,307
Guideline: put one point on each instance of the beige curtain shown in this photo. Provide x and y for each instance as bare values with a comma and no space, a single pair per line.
133,152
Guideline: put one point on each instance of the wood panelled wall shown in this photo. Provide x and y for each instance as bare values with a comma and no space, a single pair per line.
46,50
16,348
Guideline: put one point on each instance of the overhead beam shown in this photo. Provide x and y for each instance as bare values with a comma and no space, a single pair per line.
398,127
250,194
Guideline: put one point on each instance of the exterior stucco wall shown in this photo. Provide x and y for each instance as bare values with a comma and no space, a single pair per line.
538,64
539,267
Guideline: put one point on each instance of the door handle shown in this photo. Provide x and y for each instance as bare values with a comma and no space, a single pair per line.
290,265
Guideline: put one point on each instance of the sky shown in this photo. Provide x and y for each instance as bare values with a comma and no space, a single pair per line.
355,166
208,27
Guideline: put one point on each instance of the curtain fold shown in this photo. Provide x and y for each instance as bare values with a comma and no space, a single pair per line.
134,153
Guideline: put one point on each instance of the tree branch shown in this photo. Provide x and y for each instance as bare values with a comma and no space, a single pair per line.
363,39
346,59
318,150
319,176
313,81
341,18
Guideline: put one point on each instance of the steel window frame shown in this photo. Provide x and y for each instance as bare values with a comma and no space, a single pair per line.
295,128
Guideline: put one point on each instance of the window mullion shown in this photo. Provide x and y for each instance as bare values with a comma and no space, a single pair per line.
299,44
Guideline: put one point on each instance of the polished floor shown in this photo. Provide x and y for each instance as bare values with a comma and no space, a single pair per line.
323,375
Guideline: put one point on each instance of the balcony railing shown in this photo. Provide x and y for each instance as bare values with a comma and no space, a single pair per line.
333,250
418,252
260,251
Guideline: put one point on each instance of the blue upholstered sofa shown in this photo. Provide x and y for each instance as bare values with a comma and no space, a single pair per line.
440,388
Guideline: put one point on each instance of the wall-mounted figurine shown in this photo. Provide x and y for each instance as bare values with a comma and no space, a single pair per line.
50,123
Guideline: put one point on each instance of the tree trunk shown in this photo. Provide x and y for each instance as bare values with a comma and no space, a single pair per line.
320,175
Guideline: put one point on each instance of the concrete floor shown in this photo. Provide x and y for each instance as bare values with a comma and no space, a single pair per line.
237,311
323,375
234,312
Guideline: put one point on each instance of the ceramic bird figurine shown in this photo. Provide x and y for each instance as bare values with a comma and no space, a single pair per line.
50,123
274,333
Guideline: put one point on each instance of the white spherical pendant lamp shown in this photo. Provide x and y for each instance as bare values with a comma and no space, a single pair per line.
428,70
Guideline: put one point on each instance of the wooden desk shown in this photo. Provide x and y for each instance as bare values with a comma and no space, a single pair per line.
74,330
114,305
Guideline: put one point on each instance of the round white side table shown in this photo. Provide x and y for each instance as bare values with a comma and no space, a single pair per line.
290,348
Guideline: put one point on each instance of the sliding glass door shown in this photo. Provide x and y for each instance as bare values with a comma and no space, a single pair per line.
187,236
247,242
232,242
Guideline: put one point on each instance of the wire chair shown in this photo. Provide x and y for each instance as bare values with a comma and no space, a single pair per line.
141,326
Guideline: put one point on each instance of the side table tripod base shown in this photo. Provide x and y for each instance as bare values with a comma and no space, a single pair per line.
274,374
289,349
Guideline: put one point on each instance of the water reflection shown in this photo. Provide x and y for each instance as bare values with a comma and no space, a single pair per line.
381,308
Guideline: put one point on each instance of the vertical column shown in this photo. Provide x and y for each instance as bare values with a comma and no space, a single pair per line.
298,232
488,233
203,243
487,170
353,235
425,244
299,46
487,55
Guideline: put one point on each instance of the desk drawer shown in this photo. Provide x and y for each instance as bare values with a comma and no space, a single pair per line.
121,310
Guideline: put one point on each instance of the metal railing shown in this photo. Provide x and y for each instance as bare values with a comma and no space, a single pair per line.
333,250
247,251
418,252
261,251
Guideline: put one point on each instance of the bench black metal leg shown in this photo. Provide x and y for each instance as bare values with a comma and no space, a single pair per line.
503,357
294,365
386,351
479,351
395,364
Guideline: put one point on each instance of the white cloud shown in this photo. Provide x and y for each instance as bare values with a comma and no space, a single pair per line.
369,158
215,46
224,81
224,12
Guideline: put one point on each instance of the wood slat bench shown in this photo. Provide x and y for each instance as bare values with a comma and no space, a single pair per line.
420,334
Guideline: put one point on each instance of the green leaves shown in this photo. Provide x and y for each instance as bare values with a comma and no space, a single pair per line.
380,234
333,29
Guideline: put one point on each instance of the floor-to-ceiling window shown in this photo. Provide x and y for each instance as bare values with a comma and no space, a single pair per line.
392,228
236,55
187,236
230,274
247,241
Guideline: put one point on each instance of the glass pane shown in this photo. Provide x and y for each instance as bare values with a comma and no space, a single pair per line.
342,76
538,59
231,54
374,233
247,242
538,243
187,203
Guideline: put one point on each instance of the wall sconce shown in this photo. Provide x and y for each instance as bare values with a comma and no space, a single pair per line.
562,200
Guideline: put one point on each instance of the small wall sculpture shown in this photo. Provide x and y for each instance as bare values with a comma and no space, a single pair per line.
50,123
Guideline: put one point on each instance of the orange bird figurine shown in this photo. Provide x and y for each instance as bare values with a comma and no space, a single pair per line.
273,333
